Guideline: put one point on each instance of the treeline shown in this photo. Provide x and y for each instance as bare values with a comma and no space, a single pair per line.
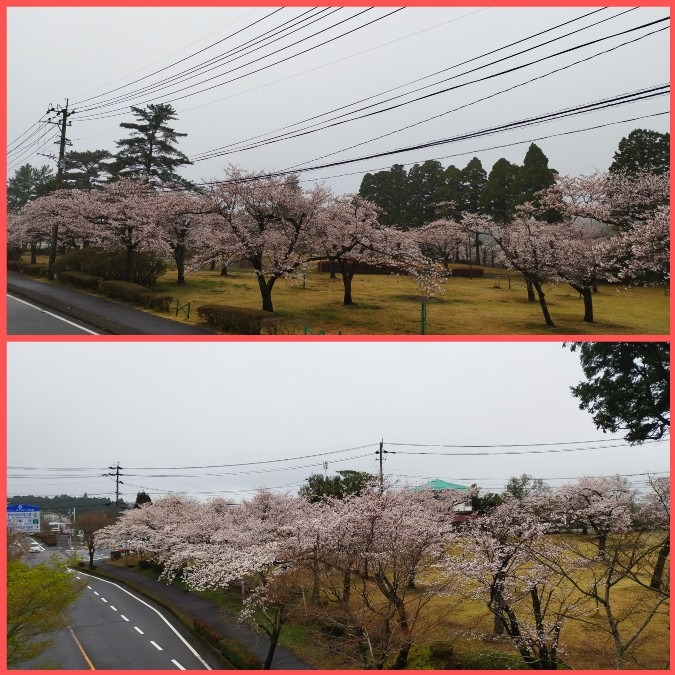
65,503
428,192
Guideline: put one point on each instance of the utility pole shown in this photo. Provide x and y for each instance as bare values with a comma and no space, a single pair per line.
381,452
118,482
65,114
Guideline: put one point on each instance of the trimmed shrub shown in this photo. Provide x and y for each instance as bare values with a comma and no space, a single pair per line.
14,265
466,272
159,302
125,290
111,265
240,657
236,320
81,280
36,270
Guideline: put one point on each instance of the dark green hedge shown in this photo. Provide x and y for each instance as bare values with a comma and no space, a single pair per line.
235,653
159,302
111,265
14,265
236,320
36,270
81,280
466,272
125,290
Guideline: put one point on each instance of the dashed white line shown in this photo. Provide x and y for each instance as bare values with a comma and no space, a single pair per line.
104,600
114,609
96,593
161,616
89,587
175,663
154,644
139,630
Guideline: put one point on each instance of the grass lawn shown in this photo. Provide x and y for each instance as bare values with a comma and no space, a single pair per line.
391,305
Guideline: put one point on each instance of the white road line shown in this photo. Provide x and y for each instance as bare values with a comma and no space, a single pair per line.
56,316
124,617
89,587
104,600
96,593
114,609
139,630
161,616
175,663
154,644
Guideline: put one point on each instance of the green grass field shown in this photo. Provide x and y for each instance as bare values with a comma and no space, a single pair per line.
391,305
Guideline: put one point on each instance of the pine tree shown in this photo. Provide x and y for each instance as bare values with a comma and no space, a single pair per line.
151,149
474,178
87,169
27,184
497,198
642,150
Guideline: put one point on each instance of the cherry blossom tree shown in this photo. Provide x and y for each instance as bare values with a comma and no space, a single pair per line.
65,207
124,215
268,222
614,571
441,240
181,219
527,599
602,503
525,244
345,236
654,516
382,539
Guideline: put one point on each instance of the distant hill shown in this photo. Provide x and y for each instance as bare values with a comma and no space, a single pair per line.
64,504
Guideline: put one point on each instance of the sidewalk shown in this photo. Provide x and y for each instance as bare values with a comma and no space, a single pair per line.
193,606
111,317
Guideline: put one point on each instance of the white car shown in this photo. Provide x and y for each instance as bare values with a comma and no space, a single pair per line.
35,548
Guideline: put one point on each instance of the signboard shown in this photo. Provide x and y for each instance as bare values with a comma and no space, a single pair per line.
23,518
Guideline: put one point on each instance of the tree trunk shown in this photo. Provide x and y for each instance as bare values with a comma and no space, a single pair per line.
274,634
212,266
223,271
179,257
586,292
33,254
346,586
542,303
333,275
266,292
129,271
530,291
657,576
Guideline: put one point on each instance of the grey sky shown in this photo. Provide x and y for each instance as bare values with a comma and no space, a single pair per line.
75,409
98,49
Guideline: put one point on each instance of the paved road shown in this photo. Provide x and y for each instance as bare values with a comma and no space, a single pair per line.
113,628
30,318
118,630
88,310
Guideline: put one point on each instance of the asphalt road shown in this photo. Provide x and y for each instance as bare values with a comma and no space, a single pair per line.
88,311
31,318
118,630
113,628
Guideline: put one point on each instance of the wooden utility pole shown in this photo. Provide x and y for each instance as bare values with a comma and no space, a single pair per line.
65,114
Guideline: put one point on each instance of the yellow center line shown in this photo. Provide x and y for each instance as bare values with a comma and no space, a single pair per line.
79,646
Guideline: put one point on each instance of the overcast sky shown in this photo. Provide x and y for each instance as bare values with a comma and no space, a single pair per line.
76,409
99,52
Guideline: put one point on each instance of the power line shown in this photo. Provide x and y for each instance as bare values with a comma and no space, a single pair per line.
621,99
275,63
494,147
329,112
